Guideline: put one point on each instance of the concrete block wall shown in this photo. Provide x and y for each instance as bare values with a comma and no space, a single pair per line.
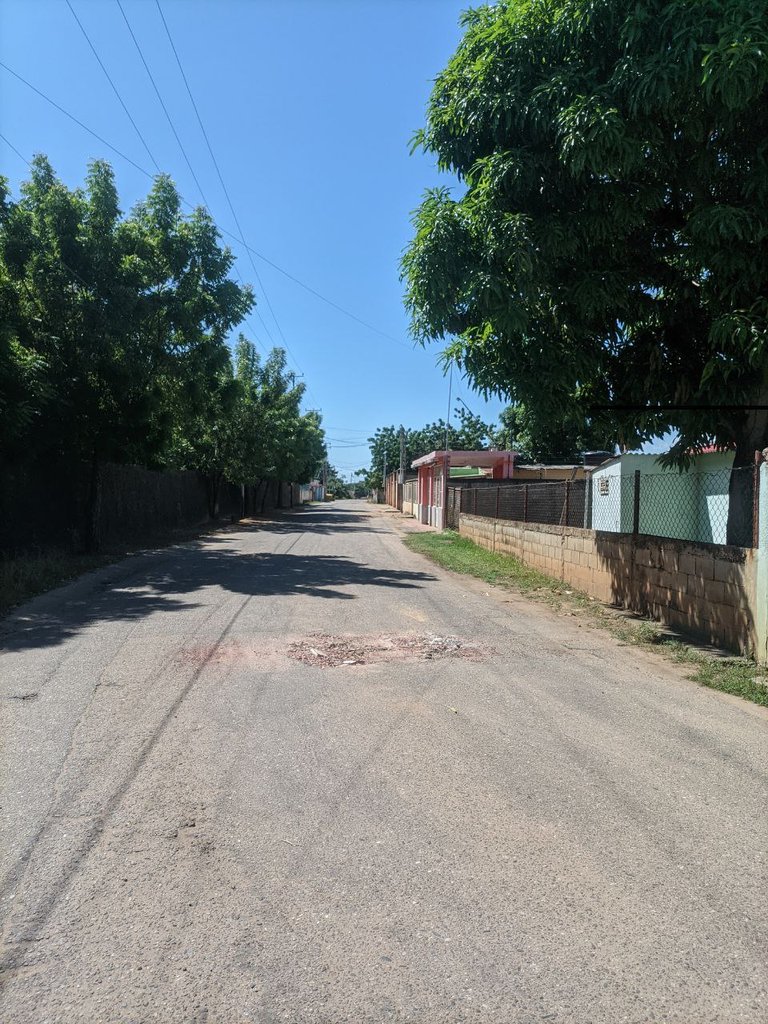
710,590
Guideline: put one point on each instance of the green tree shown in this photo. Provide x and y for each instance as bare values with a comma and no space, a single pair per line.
610,246
122,322
470,433
549,439
114,327
335,484
249,428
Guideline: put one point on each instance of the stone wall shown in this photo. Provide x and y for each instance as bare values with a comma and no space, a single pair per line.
707,589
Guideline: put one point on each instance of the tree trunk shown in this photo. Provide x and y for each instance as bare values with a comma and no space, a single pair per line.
214,480
754,437
262,499
93,537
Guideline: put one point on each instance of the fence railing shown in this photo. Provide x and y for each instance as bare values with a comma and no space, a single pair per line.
557,503
716,507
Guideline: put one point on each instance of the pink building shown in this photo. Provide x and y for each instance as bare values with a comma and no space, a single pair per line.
434,471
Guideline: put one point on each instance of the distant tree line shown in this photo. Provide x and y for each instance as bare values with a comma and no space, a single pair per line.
113,340
535,438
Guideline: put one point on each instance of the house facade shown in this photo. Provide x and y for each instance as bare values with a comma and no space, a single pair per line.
691,504
434,470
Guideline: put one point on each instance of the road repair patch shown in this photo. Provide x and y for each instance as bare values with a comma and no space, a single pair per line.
324,650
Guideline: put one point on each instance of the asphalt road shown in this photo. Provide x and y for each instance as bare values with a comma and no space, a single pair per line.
489,814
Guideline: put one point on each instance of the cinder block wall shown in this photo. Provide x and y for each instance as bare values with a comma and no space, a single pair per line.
707,589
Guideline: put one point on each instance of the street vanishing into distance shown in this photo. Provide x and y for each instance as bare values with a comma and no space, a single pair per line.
294,772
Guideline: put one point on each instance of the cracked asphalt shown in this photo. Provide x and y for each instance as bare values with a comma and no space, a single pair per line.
197,827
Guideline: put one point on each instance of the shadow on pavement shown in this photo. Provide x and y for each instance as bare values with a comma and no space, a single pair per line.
314,519
168,582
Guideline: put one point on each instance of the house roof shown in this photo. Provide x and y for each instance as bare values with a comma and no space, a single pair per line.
480,460
710,449
550,465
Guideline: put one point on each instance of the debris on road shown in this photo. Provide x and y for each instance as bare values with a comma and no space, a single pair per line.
325,650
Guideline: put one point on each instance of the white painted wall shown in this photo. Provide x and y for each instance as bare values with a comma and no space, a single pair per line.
692,505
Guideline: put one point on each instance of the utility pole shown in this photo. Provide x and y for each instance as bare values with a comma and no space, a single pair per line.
402,456
447,465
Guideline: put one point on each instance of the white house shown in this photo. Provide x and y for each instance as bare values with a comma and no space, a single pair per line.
688,505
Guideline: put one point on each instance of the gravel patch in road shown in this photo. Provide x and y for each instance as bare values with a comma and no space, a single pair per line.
327,651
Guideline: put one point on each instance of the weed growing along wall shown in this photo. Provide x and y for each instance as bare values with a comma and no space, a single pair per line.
707,589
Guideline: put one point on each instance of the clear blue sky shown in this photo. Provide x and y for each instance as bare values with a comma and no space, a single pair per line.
310,106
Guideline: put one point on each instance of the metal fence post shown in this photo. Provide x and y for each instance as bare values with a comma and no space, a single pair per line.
498,497
525,503
756,499
636,505
567,500
587,502
475,489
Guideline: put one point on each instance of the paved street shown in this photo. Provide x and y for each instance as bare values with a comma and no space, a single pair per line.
486,814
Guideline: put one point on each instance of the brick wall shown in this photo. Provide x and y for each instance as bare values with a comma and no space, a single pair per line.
707,589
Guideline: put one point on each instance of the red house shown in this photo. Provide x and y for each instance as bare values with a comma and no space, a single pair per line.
434,471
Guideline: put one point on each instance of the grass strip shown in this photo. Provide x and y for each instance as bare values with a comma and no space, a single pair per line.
739,676
27,575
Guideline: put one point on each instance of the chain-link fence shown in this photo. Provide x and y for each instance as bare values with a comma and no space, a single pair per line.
714,507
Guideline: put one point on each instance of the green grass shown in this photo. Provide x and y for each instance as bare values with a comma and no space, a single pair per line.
26,576
462,555
738,676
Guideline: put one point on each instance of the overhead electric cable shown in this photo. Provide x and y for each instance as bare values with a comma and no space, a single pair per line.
20,155
224,231
114,87
66,266
138,131
162,104
328,301
221,180
77,121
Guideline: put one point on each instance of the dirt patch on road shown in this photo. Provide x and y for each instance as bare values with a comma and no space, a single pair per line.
323,650
264,655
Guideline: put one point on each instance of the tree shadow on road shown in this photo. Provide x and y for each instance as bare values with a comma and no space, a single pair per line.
320,520
177,580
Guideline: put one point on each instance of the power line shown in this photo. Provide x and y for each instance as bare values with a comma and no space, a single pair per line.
222,182
20,155
325,299
224,231
136,127
66,266
114,87
77,121
79,277
138,131
162,104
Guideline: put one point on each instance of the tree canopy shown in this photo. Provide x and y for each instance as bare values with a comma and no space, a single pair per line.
469,433
538,438
114,340
610,245
534,438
